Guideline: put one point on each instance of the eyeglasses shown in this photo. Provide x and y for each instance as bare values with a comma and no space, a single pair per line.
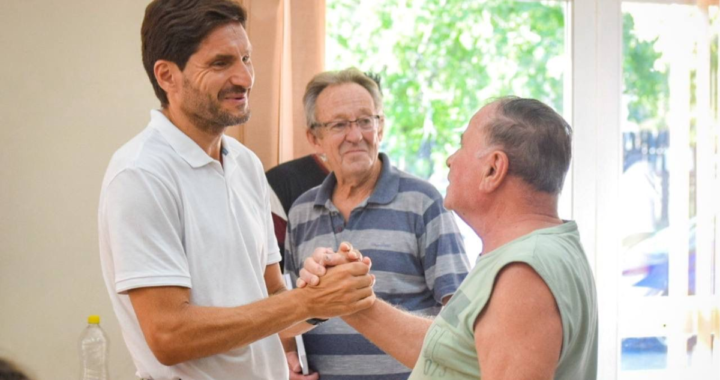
337,127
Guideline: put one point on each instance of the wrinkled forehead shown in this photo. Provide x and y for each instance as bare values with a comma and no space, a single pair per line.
227,39
344,99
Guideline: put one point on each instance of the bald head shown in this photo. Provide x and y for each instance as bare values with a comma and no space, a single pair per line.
536,139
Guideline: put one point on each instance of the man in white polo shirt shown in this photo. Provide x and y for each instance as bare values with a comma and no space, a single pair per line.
186,237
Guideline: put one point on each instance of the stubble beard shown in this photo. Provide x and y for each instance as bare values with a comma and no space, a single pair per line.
206,114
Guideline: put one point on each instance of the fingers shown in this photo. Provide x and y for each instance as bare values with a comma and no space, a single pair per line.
296,370
357,269
308,278
364,298
367,261
335,259
346,249
365,302
322,258
314,267
292,361
340,289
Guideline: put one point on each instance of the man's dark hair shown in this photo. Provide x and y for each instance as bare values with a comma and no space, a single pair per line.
173,30
536,139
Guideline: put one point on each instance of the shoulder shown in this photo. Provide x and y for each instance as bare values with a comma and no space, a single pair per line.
303,204
518,278
147,152
558,251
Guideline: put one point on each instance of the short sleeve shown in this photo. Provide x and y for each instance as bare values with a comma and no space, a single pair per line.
142,215
273,250
444,258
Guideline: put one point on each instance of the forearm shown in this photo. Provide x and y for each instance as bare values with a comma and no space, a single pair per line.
178,331
196,331
295,330
382,324
287,335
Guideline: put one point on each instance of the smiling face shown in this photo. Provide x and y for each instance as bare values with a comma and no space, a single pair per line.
217,80
353,153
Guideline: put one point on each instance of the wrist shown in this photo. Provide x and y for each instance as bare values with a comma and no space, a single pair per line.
359,316
315,321
301,303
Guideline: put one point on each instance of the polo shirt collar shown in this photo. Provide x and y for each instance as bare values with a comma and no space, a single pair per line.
386,188
389,184
230,156
183,145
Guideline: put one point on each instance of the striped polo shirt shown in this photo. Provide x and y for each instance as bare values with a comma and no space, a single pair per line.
418,259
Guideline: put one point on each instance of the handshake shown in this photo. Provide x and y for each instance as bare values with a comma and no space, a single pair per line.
336,283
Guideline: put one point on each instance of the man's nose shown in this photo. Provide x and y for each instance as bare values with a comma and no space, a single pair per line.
243,75
448,162
354,133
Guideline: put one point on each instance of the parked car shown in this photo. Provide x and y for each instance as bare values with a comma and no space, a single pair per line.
645,264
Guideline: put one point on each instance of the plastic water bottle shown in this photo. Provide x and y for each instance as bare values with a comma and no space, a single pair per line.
94,351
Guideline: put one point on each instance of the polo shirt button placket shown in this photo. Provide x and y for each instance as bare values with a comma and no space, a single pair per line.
337,222
230,198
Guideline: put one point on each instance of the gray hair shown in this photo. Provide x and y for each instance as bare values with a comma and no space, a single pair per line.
329,78
536,139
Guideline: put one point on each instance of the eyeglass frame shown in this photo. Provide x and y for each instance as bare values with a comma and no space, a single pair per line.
374,123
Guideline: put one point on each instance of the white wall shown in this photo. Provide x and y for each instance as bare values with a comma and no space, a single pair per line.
72,90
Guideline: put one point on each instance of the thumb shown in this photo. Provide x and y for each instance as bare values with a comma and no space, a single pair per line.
345,247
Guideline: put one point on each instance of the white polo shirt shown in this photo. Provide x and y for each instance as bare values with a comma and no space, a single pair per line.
171,215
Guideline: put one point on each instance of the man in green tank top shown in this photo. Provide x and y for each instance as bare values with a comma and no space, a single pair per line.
528,309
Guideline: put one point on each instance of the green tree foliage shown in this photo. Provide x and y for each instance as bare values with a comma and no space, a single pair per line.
441,60
645,83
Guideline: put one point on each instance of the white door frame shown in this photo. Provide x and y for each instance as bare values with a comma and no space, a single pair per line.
596,88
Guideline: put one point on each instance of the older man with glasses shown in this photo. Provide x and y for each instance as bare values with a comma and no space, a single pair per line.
394,218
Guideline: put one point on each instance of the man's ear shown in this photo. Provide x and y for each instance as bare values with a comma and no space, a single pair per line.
381,128
168,76
310,134
495,170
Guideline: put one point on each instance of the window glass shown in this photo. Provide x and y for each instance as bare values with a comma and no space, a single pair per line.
440,60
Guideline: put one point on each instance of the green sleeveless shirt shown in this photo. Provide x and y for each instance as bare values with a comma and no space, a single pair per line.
555,253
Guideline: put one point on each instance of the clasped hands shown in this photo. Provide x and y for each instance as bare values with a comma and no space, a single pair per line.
340,280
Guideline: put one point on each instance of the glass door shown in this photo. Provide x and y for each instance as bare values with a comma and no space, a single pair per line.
667,298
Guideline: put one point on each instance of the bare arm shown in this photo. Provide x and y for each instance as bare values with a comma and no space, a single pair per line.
384,324
276,285
177,331
519,333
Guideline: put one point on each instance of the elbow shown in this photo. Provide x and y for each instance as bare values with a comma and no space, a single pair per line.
165,347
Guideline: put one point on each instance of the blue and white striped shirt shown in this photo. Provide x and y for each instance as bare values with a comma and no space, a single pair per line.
418,259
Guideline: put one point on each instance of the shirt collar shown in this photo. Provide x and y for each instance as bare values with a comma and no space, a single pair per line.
386,188
183,145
